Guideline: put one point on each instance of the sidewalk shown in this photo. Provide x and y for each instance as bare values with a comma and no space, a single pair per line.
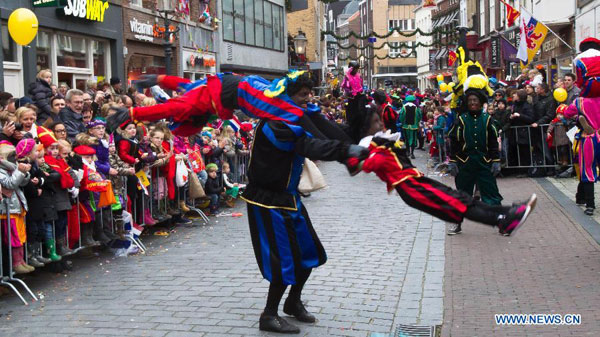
550,266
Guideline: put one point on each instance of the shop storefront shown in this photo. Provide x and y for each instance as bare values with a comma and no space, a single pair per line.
198,57
556,56
144,37
74,48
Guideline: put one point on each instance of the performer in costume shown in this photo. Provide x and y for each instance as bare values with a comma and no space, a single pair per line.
286,245
352,84
388,158
474,150
410,119
587,110
387,112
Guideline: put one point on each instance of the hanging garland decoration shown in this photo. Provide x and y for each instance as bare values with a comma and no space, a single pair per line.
401,45
389,34
408,55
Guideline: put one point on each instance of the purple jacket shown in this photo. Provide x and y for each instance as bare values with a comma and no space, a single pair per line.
103,163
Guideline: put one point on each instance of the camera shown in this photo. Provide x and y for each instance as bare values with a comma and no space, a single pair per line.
107,96
18,126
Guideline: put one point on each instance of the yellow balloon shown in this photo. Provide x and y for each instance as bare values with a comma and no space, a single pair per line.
443,87
560,95
451,85
22,26
440,77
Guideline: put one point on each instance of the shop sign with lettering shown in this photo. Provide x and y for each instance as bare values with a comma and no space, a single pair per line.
495,52
92,10
142,31
45,3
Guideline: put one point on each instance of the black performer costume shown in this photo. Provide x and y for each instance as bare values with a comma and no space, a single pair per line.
389,160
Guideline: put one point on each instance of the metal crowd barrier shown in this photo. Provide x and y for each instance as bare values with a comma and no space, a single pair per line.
10,277
538,152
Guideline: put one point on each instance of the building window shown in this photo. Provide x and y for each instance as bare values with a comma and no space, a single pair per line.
228,20
136,3
481,17
42,45
71,51
249,16
256,23
99,59
9,47
492,15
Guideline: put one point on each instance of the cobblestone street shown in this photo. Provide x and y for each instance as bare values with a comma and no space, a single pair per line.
385,267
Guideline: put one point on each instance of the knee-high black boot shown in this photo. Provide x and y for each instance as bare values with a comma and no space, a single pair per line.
588,196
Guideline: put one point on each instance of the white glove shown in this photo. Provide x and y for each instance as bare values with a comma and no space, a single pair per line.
74,191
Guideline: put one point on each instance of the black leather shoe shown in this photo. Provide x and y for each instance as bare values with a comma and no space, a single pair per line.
298,311
276,324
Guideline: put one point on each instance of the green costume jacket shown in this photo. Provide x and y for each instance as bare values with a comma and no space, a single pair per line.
439,128
410,116
474,137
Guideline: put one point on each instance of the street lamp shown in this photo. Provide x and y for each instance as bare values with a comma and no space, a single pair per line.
300,41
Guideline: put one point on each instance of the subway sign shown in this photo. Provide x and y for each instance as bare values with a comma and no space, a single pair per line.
92,10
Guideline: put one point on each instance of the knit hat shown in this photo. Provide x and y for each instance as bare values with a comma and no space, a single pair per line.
211,166
410,98
96,122
24,147
46,137
84,150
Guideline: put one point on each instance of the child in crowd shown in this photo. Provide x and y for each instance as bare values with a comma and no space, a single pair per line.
557,131
159,187
42,215
232,189
213,188
13,177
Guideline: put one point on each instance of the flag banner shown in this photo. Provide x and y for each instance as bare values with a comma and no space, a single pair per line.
452,56
511,14
533,34
429,4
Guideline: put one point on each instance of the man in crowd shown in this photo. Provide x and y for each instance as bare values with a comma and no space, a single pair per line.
544,111
71,114
572,90
115,86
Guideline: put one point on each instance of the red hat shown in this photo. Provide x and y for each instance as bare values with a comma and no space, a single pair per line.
84,150
46,136
561,109
590,42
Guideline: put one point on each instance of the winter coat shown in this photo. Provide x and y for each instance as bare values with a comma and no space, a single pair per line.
12,180
526,117
559,127
42,207
73,122
544,109
213,186
41,93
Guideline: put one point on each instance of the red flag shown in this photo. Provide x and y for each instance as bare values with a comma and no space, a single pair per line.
452,56
511,14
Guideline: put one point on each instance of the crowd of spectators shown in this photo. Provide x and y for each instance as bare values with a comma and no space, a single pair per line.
69,184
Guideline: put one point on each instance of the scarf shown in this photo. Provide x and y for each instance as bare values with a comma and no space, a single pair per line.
61,166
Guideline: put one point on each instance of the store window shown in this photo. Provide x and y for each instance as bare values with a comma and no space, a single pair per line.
9,47
71,51
253,22
42,45
99,59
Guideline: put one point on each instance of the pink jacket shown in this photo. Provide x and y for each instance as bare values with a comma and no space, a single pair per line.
352,84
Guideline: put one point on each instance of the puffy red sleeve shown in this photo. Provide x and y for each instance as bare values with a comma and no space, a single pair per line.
172,82
123,149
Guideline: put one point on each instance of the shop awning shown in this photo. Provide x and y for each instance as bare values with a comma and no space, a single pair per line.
509,52
445,20
441,54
